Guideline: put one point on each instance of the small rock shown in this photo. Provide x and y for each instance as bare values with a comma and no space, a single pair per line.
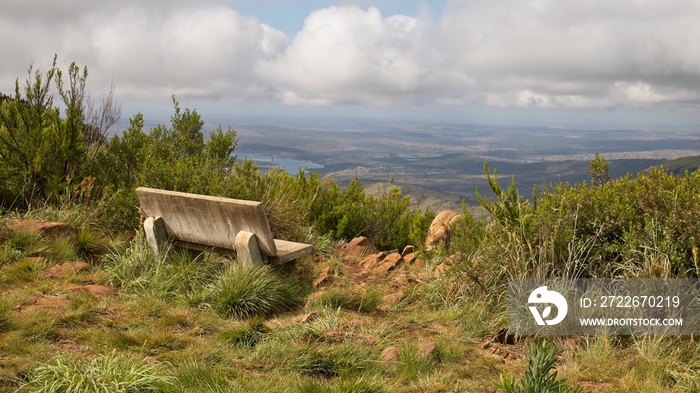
428,349
43,303
399,281
390,357
93,289
440,270
371,260
393,298
65,269
358,246
440,229
409,258
325,278
408,250
389,263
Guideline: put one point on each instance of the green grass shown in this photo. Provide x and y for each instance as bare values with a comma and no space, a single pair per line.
23,271
194,375
246,335
350,385
6,318
21,244
366,301
103,373
173,274
242,292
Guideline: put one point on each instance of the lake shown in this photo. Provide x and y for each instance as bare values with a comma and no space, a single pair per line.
288,164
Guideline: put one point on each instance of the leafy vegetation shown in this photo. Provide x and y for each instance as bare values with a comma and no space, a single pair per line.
40,152
540,375
103,373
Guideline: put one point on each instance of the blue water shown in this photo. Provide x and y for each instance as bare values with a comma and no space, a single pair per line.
288,164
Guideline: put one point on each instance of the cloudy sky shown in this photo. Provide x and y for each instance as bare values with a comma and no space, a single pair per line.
623,62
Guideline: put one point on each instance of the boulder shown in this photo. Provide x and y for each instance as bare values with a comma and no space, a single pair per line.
358,246
48,229
440,229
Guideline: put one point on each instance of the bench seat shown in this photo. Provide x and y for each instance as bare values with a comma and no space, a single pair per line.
203,222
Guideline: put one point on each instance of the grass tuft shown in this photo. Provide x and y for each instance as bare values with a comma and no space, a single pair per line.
103,373
6,320
354,385
174,274
21,244
242,292
25,270
197,376
246,336
351,299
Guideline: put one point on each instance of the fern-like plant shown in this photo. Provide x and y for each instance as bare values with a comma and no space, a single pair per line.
539,376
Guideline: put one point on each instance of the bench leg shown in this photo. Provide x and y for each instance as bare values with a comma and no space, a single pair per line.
247,250
155,233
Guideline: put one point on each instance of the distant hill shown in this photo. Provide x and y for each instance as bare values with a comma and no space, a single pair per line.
680,165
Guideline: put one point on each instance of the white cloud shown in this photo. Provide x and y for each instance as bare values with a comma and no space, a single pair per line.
506,53
349,55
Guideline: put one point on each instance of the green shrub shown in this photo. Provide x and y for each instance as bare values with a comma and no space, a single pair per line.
388,221
643,226
539,376
246,292
103,373
40,152
174,158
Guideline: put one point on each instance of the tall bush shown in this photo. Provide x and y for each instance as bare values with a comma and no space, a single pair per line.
42,152
174,158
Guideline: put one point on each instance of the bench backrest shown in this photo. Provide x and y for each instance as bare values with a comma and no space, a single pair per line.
202,219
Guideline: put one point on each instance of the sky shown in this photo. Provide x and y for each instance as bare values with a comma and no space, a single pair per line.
557,63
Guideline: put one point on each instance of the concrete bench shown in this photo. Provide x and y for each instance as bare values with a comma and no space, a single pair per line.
204,222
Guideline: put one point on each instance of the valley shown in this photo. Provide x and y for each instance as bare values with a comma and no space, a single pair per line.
441,165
